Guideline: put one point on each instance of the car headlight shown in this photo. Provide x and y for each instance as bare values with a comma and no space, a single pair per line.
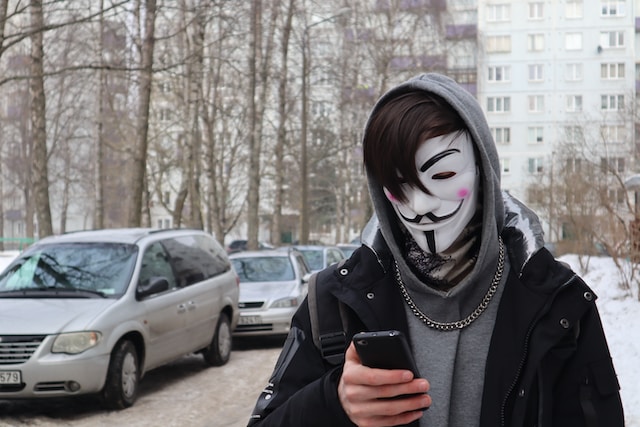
75,342
285,303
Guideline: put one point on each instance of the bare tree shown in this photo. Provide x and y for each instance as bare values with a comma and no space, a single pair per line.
38,123
144,98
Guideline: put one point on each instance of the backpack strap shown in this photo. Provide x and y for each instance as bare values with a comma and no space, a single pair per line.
328,319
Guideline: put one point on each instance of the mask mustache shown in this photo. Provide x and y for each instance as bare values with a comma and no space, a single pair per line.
431,216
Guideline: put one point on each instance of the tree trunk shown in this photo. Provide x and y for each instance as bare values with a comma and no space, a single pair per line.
99,178
253,197
144,94
276,227
38,123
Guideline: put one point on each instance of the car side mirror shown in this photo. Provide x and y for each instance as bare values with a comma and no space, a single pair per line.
152,286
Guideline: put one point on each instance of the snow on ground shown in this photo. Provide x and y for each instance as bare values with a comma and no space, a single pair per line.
620,312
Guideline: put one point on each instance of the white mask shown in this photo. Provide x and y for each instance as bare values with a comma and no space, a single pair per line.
447,169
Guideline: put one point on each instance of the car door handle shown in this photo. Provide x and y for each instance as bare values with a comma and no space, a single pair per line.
191,305
182,308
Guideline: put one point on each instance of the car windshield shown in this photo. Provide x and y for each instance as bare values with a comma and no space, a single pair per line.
103,269
263,269
313,258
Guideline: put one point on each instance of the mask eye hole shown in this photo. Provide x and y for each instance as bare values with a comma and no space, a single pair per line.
444,175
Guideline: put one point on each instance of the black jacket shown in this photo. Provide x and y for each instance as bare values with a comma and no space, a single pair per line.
548,362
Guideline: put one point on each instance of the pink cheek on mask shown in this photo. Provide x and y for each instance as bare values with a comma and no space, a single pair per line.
463,193
390,196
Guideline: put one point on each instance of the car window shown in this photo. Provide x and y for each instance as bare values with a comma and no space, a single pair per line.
333,256
97,267
155,263
314,258
215,262
187,259
263,269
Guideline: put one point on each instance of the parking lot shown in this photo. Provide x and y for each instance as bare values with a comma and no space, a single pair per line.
184,393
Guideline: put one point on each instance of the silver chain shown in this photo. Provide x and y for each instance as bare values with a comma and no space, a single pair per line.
463,323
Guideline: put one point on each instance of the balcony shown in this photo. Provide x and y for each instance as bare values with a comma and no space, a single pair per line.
458,32
423,62
433,6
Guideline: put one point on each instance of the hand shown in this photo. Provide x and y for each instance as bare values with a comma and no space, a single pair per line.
365,392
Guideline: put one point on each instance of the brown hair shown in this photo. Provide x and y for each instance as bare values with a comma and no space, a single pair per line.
396,130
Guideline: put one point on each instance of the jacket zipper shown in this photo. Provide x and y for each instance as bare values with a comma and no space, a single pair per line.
545,309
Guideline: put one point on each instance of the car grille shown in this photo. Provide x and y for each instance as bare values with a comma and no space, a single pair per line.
251,304
18,348
255,328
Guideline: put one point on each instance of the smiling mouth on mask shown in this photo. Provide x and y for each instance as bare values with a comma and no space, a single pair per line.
431,216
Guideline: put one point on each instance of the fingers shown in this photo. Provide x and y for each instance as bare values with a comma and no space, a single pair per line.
370,396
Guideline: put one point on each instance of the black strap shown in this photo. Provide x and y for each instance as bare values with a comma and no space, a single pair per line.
328,321
589,411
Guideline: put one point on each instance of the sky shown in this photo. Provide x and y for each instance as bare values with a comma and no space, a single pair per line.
620,313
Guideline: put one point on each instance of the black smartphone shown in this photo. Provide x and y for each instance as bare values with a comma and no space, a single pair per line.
386,350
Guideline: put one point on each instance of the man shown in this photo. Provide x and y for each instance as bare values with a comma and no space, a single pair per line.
502,333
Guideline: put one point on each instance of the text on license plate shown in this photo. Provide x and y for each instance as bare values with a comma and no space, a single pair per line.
10,377
249,320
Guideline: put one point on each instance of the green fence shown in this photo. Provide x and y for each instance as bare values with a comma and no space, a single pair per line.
15,243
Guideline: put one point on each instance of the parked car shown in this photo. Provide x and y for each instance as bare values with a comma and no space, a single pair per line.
348,248
241,245
320,256
91,312
273,284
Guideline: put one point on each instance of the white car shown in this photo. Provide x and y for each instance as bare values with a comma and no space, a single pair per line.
273,284
91,312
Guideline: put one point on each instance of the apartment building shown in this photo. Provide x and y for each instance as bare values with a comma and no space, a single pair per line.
557,81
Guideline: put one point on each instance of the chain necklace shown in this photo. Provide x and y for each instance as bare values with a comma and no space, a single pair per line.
460,324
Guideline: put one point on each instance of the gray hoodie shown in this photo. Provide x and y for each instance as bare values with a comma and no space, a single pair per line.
454,360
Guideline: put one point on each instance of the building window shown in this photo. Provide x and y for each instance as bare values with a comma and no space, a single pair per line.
574,103
166,198
499,74
573,72
612,8
536,103
164,114
617,196
574,165
612,165
612,102
614,134
574,135
535,42
501,135
505,165
573,41
536,165
499,44
499,104
573,9
610,71
535,135
611,39
536,72
536,10
498,12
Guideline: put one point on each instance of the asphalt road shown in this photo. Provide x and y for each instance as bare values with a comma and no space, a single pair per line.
184,393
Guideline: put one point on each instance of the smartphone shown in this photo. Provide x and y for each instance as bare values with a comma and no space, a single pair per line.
386,350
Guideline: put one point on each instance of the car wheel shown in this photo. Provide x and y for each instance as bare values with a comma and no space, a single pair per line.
121,388
219,350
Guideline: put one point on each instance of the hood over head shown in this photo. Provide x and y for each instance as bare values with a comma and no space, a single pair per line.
469,111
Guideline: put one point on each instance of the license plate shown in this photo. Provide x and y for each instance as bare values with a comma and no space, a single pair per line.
249,320
10,377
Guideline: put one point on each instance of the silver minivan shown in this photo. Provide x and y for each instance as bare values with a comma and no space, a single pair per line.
90,312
